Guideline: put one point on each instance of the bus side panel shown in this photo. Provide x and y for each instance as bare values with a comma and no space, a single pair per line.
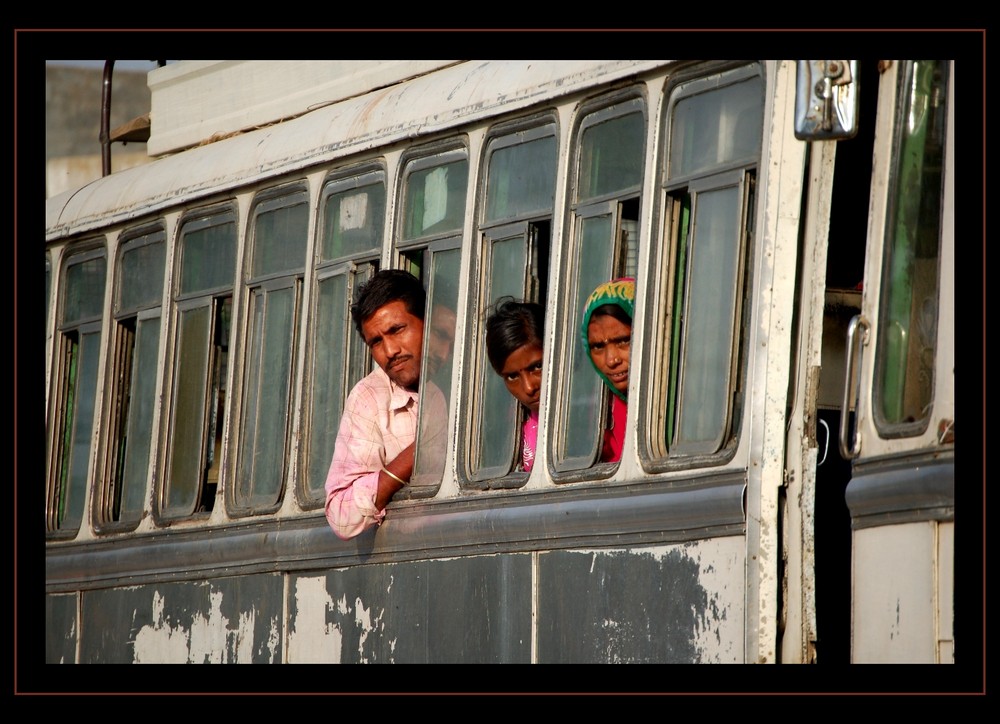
664,604
896,604
462,610
60,628
225,620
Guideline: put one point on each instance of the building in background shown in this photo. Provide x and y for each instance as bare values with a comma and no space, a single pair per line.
73,123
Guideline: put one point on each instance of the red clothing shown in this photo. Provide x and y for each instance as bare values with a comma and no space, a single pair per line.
614,436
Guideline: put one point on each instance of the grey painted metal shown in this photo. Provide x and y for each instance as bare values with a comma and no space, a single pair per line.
622,607
902,490
466,610
61,626
653,512
240,616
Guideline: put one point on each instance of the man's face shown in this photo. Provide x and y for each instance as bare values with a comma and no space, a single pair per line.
395,337
442,338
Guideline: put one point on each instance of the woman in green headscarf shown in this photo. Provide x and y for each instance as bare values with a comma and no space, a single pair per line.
606,333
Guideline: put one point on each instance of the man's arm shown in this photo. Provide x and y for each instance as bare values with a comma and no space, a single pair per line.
357,489
402,467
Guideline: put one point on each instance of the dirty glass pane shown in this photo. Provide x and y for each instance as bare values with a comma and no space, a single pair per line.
434,200
611,156
84,298
439,349
208,257
706,348
499,409
142,399
583,405
266,396
715,128
521,179
280,236
140,282
332,327
353,221
909,314
81,424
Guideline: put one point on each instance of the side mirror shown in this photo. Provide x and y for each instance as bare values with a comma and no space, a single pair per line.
826,100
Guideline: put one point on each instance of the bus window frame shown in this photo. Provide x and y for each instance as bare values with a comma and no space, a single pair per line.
655,454
418,251
527,225
64,426
356,267
600,109
214,299
103,517
257,288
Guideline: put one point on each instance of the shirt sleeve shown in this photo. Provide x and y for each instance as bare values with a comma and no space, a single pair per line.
352,482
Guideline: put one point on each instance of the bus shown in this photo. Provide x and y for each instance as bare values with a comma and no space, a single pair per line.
786,493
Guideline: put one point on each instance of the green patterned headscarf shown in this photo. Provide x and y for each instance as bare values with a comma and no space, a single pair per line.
620,292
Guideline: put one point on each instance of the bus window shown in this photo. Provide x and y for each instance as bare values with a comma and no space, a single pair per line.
434,198
713,137
136,350
516,229
203,304
609,158
907,333
352,221
78,349
279,233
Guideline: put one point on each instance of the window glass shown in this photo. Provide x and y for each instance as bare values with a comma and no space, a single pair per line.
611,152
207,250
74,393
137,345
708,318
277,250
434,201
438,356
352,232
714,126
909,310
354,217
610,156
522,177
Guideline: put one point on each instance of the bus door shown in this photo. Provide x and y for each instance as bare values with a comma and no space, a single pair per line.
870,456
899,379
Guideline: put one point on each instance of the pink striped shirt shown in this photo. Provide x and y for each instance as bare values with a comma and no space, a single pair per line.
379,421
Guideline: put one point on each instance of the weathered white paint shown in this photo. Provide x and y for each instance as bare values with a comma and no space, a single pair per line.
719,628
234,95
895,603
311,640
211,638
781,176
799,582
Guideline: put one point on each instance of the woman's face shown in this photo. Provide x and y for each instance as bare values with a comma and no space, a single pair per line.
522,373
610,340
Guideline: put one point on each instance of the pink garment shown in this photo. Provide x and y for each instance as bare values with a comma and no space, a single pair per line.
379,421
614,436
529,437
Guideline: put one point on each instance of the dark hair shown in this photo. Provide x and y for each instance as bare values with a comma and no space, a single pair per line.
612,310
511,325
388,285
